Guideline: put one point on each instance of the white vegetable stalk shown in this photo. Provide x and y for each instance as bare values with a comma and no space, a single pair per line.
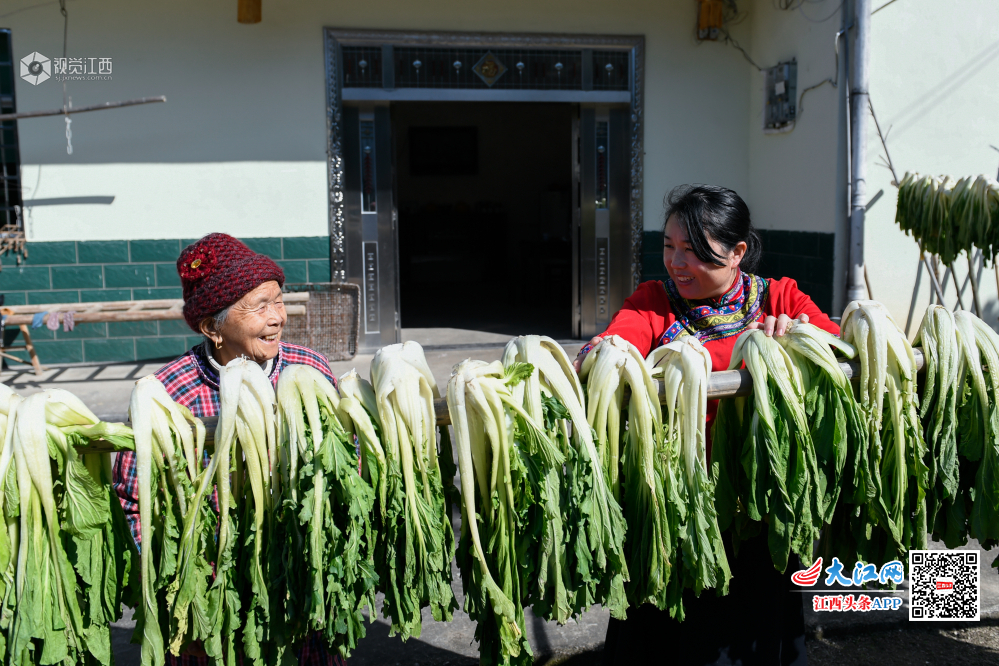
358,412
685,368
608,369
419,534
647,466
405,396
888,366
476,397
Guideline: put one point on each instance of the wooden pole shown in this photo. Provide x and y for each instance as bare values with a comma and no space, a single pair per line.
957,286
974,284
249,11
722,384
81,109
933,276
996,267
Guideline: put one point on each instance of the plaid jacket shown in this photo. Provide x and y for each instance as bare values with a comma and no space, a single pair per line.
192,381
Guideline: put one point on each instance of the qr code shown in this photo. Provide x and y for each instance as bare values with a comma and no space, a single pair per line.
944,585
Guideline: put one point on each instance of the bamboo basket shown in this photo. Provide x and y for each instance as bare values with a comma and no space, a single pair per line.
332,319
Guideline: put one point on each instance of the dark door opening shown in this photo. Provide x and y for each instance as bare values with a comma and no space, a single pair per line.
485,216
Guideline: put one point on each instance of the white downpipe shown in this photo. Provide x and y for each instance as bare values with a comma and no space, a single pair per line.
859,68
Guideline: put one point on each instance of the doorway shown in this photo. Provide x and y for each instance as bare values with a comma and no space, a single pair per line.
485,215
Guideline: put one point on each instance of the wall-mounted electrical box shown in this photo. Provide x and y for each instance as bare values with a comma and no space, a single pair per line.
781,95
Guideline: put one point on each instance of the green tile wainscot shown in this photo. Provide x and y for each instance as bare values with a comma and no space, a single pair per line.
90,271
805,256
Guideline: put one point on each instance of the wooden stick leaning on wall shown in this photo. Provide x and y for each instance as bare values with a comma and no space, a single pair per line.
972,275
957,285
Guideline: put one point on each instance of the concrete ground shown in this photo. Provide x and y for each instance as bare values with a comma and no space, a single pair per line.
841,638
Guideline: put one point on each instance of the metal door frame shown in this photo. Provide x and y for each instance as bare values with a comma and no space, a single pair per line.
334,38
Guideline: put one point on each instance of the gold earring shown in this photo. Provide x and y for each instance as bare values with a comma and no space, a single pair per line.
218,343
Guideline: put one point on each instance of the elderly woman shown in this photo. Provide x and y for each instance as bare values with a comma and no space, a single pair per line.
232,296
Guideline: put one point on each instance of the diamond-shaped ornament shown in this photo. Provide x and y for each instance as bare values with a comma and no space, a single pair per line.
489,69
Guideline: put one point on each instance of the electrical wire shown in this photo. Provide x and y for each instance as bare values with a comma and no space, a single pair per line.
791,5
66,102
805,16
833,81
729,39
882,7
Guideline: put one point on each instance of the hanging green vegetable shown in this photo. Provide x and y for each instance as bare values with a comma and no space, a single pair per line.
416,540
504,457
685,366
326,537
978,430
581,562
638,466
948,217
177,526
766,458
74,549
938,412
897,450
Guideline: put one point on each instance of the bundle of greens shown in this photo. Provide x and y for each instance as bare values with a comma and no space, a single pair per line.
9,512
322,556
763,454
635,457
924,211
844,483
74,549
838,429
504,457
970,214
246,448
978,433
938,412
177,527
582,550
416,540
896,450
685,366
948,217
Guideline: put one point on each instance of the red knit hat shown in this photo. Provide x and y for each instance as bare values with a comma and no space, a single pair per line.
217,271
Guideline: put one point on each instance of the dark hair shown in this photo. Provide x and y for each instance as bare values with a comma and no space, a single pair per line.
705,211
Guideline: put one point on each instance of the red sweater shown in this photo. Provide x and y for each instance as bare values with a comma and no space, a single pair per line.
647,314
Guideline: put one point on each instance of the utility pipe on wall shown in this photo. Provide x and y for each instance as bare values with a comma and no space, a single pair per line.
859,61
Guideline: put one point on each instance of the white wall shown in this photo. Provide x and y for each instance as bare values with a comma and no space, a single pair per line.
797,179
935,68
240,145
793,175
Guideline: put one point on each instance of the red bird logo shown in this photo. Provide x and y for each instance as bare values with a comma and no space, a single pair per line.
809,576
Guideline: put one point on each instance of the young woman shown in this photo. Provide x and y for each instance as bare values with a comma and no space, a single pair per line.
710,250
232,296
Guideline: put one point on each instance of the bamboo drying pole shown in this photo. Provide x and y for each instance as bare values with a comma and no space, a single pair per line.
972,274
722,384
81,109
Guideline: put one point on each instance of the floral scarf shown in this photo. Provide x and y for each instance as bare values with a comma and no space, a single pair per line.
716,318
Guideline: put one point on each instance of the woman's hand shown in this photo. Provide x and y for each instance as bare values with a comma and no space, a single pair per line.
776,326
578,363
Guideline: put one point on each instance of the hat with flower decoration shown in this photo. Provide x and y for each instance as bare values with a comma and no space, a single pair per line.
217,271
